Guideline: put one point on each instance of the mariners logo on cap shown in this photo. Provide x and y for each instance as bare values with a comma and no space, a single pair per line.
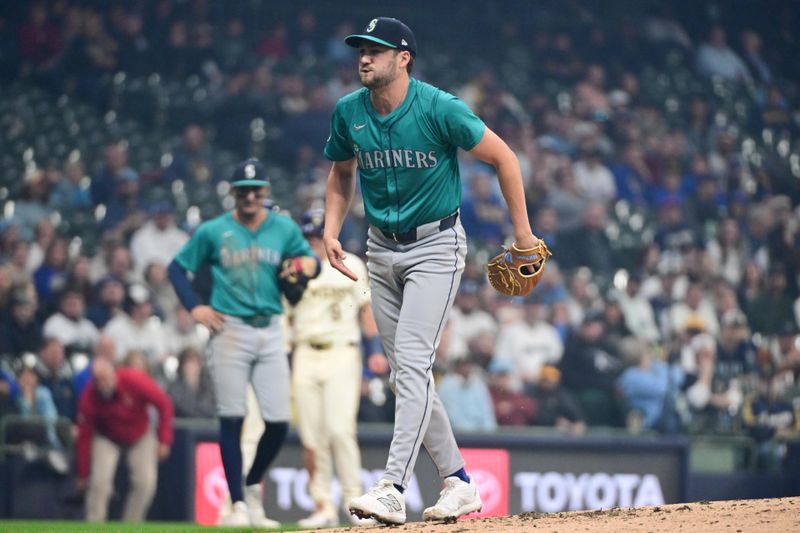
250,171
371,25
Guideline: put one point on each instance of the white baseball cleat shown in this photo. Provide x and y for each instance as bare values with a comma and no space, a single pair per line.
238,517
321,518
253,496
456,499
383,502
362,522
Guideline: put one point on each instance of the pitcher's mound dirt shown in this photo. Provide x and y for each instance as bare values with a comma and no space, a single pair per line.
780,515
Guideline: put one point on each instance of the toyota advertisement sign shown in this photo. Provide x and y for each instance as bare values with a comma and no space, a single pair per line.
524,475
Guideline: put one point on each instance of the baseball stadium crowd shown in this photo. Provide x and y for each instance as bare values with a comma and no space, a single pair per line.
661,160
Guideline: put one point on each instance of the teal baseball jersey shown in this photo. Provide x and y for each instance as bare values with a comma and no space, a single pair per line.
407,160
244,264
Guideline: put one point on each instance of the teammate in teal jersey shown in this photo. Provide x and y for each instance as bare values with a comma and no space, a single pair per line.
403,136
245,250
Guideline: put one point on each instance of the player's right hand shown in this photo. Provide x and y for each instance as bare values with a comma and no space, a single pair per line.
336,256
205,315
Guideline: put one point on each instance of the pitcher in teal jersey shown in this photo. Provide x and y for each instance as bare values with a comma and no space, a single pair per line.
403,136
245,250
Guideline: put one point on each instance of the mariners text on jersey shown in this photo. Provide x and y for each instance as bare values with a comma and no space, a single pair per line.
395,159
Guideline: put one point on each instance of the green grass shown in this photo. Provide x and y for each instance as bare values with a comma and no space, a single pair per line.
41,526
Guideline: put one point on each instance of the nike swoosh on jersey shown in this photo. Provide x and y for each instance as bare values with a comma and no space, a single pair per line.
359,126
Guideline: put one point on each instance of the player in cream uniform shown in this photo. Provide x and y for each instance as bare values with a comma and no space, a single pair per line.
327,325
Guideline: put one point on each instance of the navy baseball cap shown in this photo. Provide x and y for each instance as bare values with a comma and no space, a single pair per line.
313,222
250,173
388,32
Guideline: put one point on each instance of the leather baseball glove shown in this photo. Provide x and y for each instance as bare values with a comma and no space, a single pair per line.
292,280
516,272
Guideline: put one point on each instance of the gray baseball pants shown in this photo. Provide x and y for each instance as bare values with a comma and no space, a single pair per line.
413,287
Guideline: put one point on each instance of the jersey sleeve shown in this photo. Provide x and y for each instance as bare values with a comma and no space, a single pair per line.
338,147
459,125
296,244
196,251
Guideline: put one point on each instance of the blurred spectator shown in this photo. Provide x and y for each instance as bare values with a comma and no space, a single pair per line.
715,58
193,162
753,58
110,296
637,310
113,419
774,112
136,51
159,240
483,214
556,406
649,390
512,406
529,342
728,251
772,307
567,201
769,419
20,329
31,207
589,369
588,245
71,193
466,398
695,309
735,345
39,39
44,234
55,373
632,176
35,400
592,178
137,328
104,184
715,400
192,392
164,299
377,401
69,325
467,320
51,277
183,333
125,211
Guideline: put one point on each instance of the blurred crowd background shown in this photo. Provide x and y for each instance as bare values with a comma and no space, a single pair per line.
659,147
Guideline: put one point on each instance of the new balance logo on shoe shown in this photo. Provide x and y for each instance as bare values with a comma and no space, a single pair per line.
391,503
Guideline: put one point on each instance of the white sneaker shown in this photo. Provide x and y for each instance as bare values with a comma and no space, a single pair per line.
456,499
238,517
321,518
383,502
254,497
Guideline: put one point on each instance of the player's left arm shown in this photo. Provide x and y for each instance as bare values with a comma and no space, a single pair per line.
493,150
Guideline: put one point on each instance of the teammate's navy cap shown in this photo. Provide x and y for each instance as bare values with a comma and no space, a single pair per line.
250,173
313,222
388,32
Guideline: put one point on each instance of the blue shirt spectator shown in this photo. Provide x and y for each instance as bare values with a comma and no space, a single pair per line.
466,398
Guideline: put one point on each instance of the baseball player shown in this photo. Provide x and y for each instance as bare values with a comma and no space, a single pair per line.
403,136
326,374
246,249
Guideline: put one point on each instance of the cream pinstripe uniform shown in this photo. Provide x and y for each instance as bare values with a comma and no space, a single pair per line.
326,377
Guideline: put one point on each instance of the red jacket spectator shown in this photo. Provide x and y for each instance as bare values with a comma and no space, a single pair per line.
123,417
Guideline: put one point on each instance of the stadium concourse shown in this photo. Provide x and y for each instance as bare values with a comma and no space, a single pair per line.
659,149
